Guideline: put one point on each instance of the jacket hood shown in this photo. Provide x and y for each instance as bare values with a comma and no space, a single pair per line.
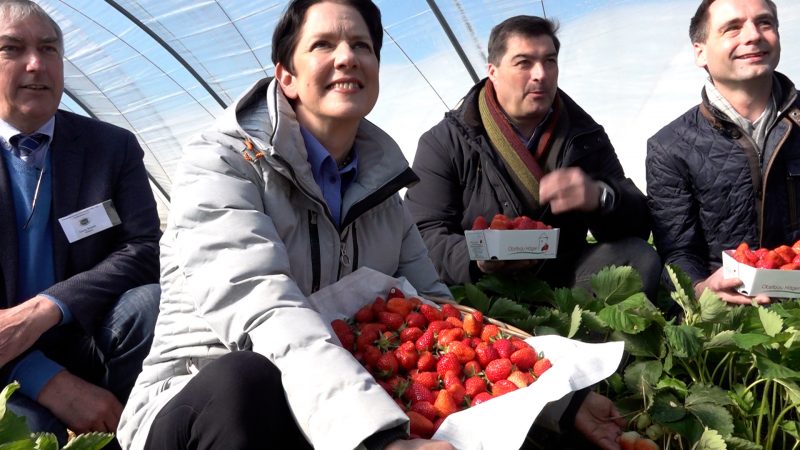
265,116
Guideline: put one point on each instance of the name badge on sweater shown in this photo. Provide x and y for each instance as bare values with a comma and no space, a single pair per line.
89,221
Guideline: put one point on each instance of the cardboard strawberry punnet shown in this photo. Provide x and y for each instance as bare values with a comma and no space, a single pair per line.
424,357
773,272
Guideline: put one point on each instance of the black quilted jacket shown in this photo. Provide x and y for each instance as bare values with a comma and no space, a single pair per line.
462,177
709,189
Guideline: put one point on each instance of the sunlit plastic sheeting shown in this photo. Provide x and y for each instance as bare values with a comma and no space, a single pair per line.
627,62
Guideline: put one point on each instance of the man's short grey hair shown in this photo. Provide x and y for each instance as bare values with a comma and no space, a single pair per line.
18,10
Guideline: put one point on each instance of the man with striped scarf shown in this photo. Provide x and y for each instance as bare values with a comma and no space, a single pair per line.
518,145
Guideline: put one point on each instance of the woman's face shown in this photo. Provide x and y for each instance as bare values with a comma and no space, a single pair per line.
335,79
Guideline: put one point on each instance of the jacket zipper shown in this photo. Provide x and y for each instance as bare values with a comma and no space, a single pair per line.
766,176
313,233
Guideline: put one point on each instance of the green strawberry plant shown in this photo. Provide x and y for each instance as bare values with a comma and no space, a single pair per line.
14,433
712,377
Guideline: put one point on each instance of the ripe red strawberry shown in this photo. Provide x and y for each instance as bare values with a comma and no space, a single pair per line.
504,347
399,305
486,354
415,319
490,333
456,323
497,370
428,379
449,310
503,387
388,340
645,444
458,392
791,266
524,358
480,223
472,368
397,386
410,334
379,305
371,355
785,252
438,325
770,261
420,425
474,386
473,323
518,378
444,404
500,222
526,223
364,314
344,333
448,362
627,440
415,392
425,342
480,398
366,338
519,343
541,367
431,313
463,352
446,337
407,355
387,365
426,409
426,362
796,246
395,293
796,259
392,320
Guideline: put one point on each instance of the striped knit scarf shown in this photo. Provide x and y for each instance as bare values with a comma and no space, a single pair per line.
522,165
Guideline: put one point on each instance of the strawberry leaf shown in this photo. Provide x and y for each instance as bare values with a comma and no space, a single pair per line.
699,394
475,298
685,341
722,341
592,322
746,341
736,443
667,408
643,376
89,441
505,309
46,441
25,444
772,370
5,395
574,322
614,284
713,416
710,440
683,294
712,309
649,343
772,322
674,384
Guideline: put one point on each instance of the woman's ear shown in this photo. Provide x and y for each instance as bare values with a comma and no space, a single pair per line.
287,81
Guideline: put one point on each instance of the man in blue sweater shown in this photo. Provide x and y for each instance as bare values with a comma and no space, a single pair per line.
79,236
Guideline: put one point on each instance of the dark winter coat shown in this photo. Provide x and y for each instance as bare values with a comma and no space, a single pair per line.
462,177
709,190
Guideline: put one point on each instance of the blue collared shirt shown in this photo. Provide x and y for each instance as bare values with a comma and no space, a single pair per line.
332,181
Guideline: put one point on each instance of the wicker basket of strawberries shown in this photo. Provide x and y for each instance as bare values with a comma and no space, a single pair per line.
441,362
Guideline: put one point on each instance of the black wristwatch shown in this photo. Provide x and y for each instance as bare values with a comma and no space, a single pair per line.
606,197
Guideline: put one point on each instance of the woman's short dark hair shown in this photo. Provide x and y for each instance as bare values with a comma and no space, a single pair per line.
287,32
526,26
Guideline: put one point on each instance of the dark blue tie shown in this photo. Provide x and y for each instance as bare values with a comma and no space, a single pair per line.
26,145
